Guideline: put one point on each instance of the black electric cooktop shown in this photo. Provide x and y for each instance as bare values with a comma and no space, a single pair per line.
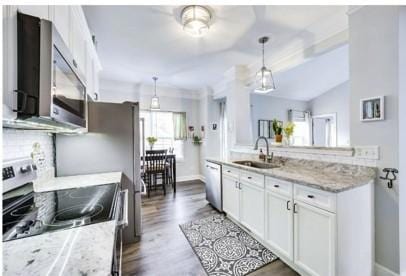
26,213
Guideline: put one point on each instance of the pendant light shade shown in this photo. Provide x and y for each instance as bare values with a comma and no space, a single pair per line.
196,20
264,79
155,100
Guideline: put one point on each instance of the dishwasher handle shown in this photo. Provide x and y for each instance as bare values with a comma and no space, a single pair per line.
124,216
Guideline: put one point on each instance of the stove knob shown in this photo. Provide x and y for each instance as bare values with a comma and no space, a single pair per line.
26,169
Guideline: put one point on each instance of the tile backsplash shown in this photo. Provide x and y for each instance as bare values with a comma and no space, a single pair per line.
20,143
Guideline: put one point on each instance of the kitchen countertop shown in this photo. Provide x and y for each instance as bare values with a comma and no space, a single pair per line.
77,181
86,250
331,177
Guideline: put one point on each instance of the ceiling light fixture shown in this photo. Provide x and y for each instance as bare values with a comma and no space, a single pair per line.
264,79
155,100
196,20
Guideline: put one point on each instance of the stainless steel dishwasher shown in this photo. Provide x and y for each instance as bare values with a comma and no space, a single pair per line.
214,185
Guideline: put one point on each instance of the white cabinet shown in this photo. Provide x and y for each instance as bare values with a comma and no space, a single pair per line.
279,223
78,44
61,17
40,11
231,197
314,240
252,208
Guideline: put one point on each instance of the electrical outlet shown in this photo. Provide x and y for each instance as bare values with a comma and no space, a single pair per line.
367,152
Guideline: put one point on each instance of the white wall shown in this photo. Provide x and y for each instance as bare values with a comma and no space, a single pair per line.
374,47
269,108
402,140
171,99
336,100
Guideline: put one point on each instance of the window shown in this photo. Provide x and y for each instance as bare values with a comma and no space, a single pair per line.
160,124
301,134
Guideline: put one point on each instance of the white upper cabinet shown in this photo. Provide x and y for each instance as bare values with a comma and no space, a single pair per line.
40,11
314,240
61,17
78,43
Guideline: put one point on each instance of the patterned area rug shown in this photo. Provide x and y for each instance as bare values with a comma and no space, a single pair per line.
224,248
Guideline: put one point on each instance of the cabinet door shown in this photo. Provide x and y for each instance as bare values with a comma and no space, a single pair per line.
279,223
78,44
40,11
62,21
314,239
231,197
252,208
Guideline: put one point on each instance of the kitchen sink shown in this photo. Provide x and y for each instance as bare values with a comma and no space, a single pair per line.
256,164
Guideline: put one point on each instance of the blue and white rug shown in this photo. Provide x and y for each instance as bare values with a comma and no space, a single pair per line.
223,248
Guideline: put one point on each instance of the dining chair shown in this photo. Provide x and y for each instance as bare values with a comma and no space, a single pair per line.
155,168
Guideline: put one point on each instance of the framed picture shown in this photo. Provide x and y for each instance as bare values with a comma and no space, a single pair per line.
372,109
264,128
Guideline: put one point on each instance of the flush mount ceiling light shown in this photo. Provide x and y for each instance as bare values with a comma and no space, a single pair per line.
196,20
264,79
155,100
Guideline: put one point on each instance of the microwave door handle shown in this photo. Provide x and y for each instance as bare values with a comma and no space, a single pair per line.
124,219
25,99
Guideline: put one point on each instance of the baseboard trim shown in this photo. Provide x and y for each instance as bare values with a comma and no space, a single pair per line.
190,178
380,270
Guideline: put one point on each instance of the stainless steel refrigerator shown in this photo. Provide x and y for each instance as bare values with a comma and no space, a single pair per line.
111,144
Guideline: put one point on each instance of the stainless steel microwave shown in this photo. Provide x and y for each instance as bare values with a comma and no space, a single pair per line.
51,89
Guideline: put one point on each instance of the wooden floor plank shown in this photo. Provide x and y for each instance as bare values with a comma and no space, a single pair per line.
163,249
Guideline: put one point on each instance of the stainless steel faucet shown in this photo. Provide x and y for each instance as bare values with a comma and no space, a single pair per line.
268,157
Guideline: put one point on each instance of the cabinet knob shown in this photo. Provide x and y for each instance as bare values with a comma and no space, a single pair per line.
310,196
287,205
276,186
294,208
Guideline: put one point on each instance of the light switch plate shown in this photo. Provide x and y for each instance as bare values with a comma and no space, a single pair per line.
367,152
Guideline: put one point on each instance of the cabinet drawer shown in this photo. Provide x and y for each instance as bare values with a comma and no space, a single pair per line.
278,186
253,178
231,171
315,197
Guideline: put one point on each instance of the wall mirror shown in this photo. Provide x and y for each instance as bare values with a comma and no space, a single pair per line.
317,106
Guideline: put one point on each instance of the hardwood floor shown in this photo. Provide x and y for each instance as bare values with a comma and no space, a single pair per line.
163,249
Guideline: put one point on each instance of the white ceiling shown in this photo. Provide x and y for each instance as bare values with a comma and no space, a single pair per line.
138,42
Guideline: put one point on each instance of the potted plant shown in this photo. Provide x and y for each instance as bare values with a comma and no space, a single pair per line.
197,140
288,130
277,129
151,141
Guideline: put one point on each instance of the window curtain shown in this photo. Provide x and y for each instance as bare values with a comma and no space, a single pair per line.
179,126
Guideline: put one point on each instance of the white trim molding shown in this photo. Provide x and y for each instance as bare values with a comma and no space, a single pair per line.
380,270
190,178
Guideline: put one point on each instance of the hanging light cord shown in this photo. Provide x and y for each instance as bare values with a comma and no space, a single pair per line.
263,54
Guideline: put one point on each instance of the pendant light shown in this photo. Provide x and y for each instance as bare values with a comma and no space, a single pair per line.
264,79
155,100
196,20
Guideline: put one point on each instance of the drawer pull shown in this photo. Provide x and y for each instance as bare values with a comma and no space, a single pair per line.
310,196
228,171
276,186
249,177
287,205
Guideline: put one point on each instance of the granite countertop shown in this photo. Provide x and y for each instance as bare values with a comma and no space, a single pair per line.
327,176
77,181
84,250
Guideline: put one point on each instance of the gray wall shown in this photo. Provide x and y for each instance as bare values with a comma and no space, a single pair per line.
373,40
337,101
268,108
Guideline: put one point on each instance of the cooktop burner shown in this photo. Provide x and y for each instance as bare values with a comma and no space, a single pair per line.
27,214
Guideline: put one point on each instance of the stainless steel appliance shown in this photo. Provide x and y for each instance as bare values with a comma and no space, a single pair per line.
111,144
27,213
213,185
51,90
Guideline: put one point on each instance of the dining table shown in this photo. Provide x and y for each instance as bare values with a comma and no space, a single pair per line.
171,159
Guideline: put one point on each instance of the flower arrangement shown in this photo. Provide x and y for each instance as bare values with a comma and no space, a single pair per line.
289,129
151,141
